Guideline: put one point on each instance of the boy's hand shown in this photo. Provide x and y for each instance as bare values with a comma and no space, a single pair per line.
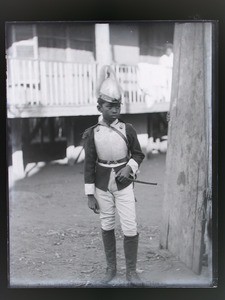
123,174
93,204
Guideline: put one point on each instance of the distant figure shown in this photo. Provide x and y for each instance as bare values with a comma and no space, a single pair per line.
167,58
166,61
112,156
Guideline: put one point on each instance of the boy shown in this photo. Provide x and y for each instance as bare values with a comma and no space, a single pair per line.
113,156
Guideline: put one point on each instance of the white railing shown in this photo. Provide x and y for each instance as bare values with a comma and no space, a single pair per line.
48,83
33,83
128,79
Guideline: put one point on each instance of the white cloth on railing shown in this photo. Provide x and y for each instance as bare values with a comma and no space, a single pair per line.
166,61
155,81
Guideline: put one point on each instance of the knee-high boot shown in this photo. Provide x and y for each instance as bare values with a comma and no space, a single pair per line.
109,242
130,250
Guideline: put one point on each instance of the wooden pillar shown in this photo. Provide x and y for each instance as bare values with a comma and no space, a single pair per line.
208,100
187,155
17,151
154,125
26,131
102,44
51,126
42,128
70,140
150,129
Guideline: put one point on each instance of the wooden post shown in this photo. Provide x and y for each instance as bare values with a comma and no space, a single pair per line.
208,98
70,140
42,128
26,131
150,125
51,126
187,159
17,151
102,44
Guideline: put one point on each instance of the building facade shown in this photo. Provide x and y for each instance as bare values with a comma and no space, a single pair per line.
52,71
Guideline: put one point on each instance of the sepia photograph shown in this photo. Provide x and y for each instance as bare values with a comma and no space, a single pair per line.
109,153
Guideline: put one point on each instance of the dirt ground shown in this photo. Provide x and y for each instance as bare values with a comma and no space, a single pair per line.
55,239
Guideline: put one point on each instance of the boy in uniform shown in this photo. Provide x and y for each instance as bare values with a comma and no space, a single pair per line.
113,156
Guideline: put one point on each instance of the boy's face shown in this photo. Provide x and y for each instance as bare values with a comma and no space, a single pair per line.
110,111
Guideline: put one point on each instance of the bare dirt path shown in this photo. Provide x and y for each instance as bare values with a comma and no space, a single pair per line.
55,240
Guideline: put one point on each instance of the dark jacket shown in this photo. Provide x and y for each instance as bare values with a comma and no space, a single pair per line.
99,175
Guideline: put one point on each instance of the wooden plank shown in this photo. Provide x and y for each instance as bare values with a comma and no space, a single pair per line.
65,70
129,85
80,86
208,28
46,82
17,78
70,83
140,96
56,83
133,84
43,82
18,82
126,83
94,79
168,198
85,84
198,128
61,84
11,64
198,99
120,78
72,91
51,99
116,70
36,81
76,94
184,199
24,79
30,83
89,78
78,110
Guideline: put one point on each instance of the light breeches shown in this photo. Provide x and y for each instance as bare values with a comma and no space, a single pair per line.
123,201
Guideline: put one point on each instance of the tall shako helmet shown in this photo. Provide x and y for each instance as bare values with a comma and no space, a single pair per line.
108,87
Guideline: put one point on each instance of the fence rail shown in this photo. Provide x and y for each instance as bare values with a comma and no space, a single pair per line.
35,83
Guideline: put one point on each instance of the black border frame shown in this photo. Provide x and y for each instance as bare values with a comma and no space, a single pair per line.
145,10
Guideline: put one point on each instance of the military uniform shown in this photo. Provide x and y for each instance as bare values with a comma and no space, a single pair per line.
106,152
109,147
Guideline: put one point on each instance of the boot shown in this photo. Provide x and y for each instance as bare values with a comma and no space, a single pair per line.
109,242
130,249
